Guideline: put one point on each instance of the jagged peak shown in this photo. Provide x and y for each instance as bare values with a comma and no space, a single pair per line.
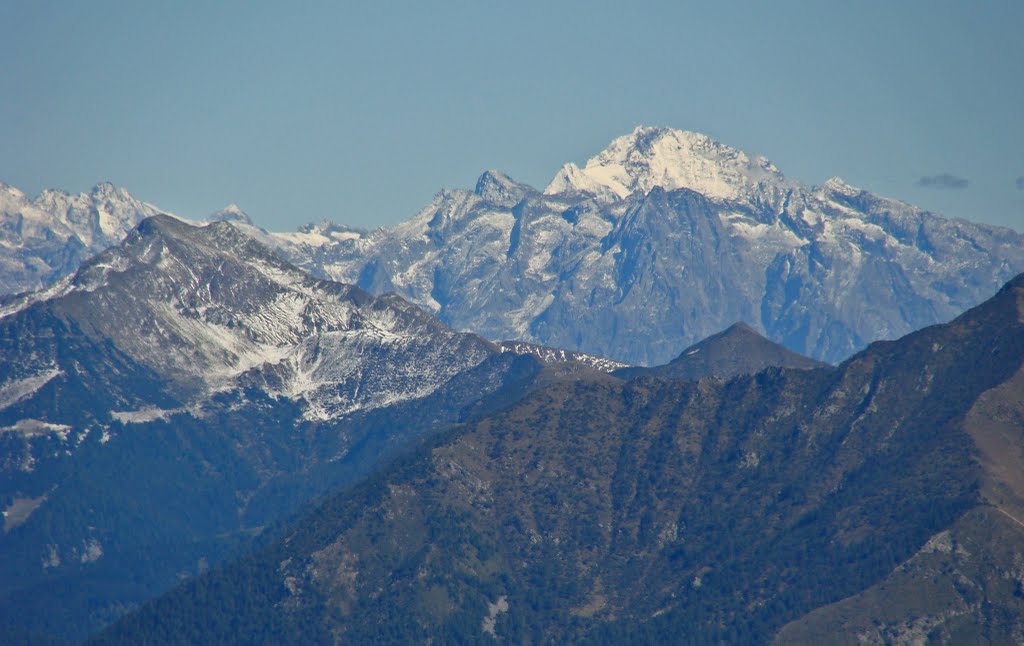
107,191
497,187
670,159
495,177
103,188
101,193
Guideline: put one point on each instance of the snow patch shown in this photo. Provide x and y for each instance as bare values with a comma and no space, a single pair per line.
52,558
37,428
92,550
760,233
316,238
557,355
14,391
141,416
58,289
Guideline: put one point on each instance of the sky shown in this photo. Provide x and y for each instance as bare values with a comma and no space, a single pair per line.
359,112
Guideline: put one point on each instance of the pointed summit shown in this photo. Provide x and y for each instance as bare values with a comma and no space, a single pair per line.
497,187
670,159
837,185
106,189
737,350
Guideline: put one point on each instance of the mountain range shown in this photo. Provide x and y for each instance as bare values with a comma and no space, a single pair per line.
187,388
879,501
319,433
657,242
667,237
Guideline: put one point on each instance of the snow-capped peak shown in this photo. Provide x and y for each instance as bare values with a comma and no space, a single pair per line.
230,213
670,159
837,185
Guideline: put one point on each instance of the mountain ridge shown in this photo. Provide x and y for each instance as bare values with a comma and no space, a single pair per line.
651,511
186,389
46,238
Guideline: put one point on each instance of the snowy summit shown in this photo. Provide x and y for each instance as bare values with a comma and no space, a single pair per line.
669,159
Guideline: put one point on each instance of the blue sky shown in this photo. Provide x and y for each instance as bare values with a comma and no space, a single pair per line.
360,111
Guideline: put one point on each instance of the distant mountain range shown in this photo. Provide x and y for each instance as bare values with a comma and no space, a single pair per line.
667,237
879,501
45,239
657,242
